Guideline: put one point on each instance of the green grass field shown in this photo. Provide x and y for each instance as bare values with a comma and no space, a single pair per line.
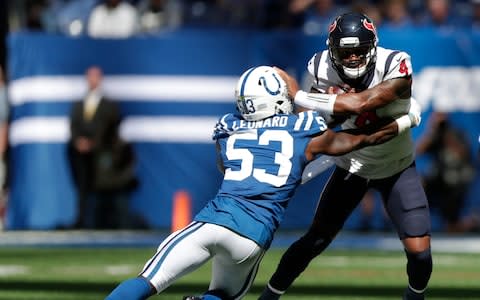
91,273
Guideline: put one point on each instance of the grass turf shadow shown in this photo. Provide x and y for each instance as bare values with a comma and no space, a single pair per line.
303,290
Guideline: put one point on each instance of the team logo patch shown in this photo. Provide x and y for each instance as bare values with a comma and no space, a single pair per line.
332,26
369,25
265,85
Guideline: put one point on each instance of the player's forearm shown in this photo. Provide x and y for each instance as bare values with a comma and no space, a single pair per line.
315,101
341,142
392,129
382,131
356,103
344,143
343,104
367,100
384,134
380,95
333,143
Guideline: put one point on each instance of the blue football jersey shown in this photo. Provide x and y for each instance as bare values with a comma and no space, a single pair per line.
263,163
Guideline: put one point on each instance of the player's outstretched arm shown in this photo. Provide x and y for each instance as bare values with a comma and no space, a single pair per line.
375,97
335,143
350,103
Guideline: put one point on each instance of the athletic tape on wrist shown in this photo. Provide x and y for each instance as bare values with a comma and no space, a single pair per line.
318,102
403,123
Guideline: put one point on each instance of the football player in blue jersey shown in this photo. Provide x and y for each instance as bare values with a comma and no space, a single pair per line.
262,152
378,82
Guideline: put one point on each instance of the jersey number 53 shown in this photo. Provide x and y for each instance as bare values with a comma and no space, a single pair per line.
282,158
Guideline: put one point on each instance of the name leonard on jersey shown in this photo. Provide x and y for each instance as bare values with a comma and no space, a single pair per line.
275,121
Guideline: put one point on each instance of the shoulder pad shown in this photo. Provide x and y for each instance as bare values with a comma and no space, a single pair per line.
395,64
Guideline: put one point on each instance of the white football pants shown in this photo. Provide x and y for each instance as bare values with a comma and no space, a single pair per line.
235,259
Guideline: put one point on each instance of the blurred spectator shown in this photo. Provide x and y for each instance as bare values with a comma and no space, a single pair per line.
113,19
4,28
396,14
279,14
49,18
4,114
476,15
4,111
69,17
318,14
368,9
34,14
157,15
448,180
440,14
102,163
221,13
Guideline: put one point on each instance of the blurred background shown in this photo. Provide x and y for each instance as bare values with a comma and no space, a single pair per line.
169,68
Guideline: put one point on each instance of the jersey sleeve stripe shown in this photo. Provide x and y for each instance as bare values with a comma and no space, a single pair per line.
316,64
309,122
304,121
298,123
389,62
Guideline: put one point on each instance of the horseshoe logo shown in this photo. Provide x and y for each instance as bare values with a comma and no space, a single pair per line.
271,92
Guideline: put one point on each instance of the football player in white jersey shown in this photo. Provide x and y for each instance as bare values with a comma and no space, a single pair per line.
262,152
378,84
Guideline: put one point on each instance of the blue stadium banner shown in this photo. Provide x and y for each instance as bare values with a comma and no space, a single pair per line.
171,90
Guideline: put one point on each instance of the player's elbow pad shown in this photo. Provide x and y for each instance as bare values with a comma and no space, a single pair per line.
319,102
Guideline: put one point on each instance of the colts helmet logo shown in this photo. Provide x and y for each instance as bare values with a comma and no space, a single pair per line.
265,85
369,26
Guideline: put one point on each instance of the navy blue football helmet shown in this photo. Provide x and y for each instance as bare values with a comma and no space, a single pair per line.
352,45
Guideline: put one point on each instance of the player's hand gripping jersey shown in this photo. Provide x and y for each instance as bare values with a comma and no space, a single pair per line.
382,160
263,162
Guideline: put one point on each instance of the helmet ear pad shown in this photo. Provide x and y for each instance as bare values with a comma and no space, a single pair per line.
352,33
262,93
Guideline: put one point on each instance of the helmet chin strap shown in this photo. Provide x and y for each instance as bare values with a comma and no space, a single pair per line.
354,73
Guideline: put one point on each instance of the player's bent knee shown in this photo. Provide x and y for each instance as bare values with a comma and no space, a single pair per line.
422,256
416,244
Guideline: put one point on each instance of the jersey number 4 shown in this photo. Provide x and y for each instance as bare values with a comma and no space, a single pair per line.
247,158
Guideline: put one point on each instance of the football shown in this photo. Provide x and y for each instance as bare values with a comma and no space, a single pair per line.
340,89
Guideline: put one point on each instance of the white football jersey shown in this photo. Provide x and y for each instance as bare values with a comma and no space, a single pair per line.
383,160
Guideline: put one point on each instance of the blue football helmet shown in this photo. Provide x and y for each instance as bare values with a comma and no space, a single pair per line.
352,45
